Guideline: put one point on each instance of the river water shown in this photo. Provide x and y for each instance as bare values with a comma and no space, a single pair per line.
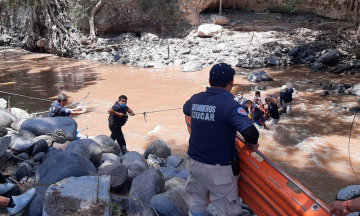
311,144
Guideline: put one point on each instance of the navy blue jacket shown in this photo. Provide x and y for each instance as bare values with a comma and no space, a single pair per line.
115,120
57,109
286,96
215,119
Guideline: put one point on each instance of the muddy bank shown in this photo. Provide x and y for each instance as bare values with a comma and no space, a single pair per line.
241,39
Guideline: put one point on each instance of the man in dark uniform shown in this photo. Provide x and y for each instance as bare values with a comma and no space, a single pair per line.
117,119
212,161
286,97
273,109
58,108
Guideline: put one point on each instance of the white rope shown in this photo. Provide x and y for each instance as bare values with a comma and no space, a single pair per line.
20,95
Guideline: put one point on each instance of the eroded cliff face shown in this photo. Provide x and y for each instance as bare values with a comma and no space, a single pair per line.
118,16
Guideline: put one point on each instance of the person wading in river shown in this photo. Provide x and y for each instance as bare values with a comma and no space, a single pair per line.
255,114
58,108
286,97
212,163
117,118
273,109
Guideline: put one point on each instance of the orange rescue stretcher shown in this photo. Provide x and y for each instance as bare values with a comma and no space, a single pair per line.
268,189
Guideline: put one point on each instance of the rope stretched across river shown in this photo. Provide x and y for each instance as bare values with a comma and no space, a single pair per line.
42,99
76,102
156,111
21,95
145,112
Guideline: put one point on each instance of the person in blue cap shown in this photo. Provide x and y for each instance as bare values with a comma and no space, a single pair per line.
117,118
212,163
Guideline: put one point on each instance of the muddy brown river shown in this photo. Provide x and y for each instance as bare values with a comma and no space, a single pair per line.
311,144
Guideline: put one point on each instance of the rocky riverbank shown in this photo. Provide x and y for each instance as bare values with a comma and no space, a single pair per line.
67,173
235,39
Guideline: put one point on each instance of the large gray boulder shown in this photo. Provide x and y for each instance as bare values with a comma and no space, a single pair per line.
356,89
209,30
176,184
169,203
183,174
134,161
23,144
137,207
27,134
109,158
3,103
330,58
107,144
51,152
158,148
259,76
168,172
118,174
87,147
20,157
39,157
174,161
272,60
35,207
340,88
191,66
62,165
86,195
45,125
147,184
6,118
49,140
17,124
40,146
13,136
19,113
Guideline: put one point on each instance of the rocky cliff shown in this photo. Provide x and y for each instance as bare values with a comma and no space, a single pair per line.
141,15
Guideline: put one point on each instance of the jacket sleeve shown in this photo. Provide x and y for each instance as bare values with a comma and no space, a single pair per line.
187,108
250,134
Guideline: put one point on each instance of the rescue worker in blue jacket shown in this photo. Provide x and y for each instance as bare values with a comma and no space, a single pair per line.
212,163
58,108
117,118
286,97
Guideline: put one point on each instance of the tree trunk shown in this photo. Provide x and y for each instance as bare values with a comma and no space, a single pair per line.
47,20
220,8
92,17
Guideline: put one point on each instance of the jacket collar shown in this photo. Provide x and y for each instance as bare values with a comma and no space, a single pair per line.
219,91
